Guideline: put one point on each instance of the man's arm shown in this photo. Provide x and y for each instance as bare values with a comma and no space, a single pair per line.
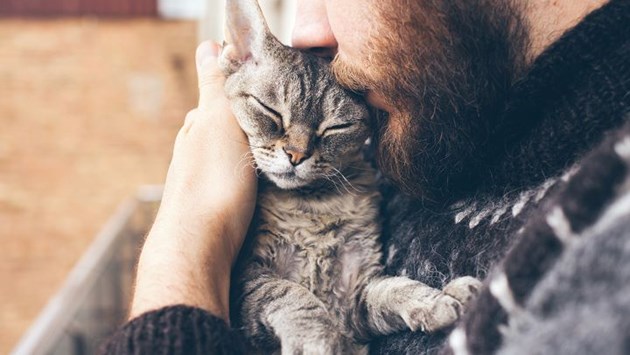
181,297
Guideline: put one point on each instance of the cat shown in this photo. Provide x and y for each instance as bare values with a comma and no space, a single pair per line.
310,278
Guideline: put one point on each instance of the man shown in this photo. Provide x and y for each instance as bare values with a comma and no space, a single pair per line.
501,129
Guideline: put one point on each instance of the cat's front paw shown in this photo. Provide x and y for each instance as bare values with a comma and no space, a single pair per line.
463,289
444,308
443,312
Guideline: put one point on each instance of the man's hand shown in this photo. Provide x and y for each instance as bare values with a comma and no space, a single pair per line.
208,202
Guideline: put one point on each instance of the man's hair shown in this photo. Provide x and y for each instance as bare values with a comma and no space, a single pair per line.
447,67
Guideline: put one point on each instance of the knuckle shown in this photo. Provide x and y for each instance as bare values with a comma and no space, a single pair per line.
211,78
188,121
190,116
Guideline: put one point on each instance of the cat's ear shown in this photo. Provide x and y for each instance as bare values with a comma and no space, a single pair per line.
245,33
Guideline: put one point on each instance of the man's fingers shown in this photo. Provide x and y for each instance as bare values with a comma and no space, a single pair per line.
209,75
213,111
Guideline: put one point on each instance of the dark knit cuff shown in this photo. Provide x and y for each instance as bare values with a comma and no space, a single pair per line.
174,330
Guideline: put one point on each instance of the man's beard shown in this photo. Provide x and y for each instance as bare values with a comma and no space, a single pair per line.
446,66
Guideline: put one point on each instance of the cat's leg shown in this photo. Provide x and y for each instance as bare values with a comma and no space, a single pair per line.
274,308
390,304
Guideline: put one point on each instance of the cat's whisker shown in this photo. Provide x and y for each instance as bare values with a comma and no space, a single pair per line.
249,156
345,186
257,162
257,169
328,177
346,180
335,176
252,161
254,165
245,160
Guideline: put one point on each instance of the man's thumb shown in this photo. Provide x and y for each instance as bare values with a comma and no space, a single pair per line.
209,74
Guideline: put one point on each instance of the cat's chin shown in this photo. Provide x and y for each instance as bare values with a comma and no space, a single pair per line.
286,183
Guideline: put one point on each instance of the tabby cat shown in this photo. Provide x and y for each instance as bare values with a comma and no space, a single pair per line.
310,281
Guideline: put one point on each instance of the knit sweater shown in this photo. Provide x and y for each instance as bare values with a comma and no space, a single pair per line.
560,170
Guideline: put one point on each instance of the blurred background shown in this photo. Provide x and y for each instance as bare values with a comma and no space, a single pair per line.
92,93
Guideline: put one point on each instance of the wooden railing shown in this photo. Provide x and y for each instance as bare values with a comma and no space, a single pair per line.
94,298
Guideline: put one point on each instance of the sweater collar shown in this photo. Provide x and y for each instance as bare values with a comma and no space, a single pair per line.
575,91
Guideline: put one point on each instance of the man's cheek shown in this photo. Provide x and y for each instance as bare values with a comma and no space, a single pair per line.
379,101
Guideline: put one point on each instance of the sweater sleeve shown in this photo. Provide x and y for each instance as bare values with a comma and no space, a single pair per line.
174,330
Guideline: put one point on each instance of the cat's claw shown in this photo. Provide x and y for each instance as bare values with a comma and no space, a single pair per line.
464,289
447,308
444,312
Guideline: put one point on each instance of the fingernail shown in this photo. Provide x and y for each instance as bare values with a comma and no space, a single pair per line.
206,52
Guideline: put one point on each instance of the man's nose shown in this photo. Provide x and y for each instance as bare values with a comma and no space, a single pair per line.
312,31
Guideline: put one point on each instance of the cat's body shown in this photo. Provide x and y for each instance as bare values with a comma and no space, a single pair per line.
325,242
310,279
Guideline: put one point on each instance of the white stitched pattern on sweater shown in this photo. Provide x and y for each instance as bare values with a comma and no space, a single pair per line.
561,226
499,213
465,213
498,209
457,341
500,289
619,209
474,222
622,148
542,191
569,174
522,201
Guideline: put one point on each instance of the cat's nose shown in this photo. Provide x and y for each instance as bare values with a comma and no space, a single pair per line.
296,156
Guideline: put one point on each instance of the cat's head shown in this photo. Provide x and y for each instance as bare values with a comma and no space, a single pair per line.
302,126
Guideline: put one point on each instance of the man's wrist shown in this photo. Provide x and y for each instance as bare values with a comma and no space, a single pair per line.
213,232
184,264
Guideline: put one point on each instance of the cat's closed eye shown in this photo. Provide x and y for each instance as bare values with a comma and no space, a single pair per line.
337,128
273,115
